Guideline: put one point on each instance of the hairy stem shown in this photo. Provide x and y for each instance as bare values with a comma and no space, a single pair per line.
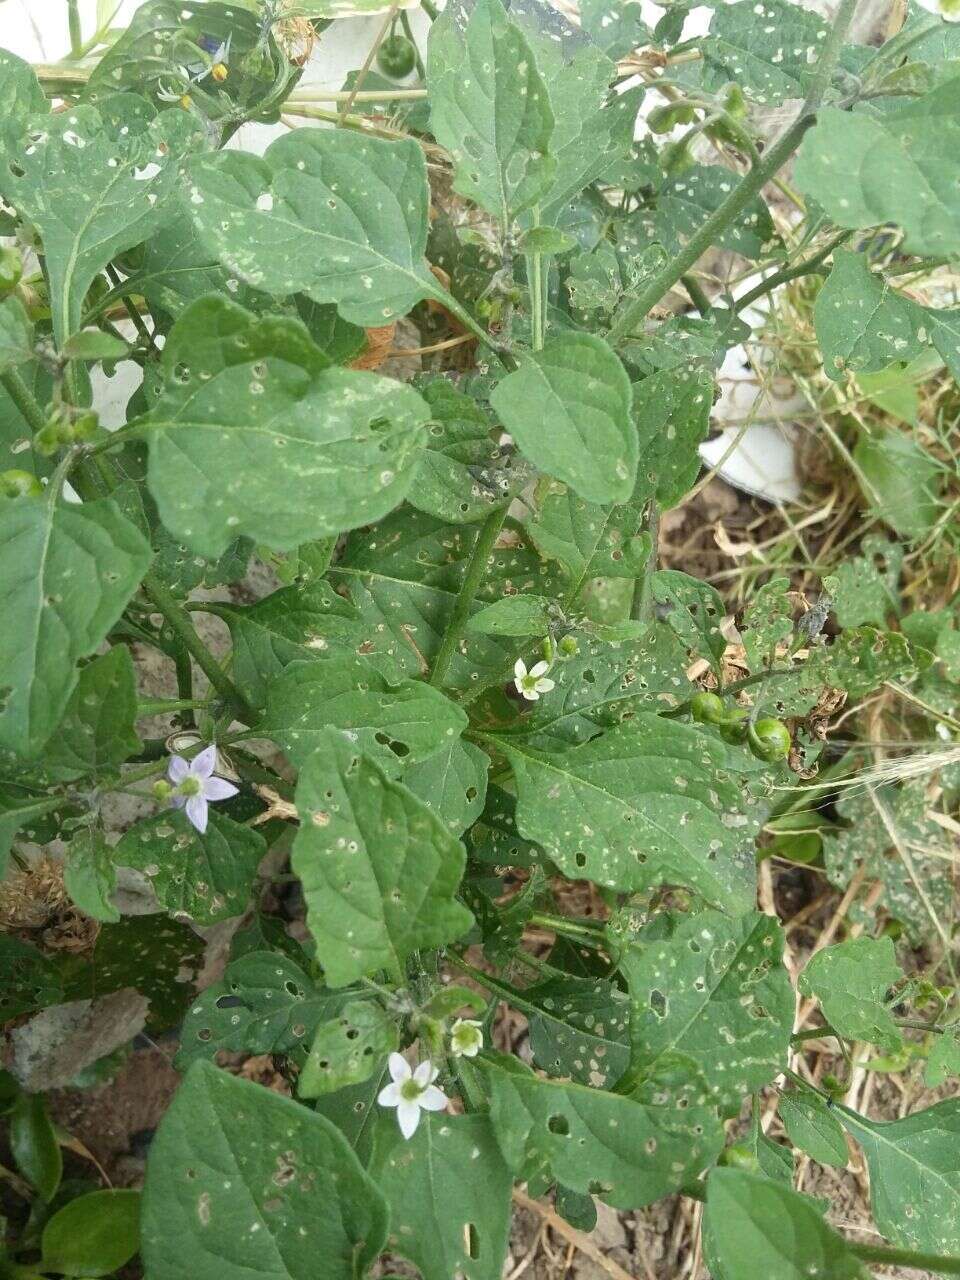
634,312
179,623
24,399
489,532
76,34
641,607
784,276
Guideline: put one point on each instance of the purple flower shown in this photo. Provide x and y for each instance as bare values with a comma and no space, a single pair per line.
196,786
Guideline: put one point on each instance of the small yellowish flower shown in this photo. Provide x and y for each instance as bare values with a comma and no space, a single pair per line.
466,1038
530,684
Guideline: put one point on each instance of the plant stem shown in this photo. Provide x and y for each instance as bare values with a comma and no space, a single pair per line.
635,311
885,1254
430,9
787,274
76,34
503,989
24,399
696,294
132,312
579,930
179,623
489,532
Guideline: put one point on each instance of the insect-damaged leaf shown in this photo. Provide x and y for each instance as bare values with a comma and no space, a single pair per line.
568,407
448,1189
712,1009
646,803
862,324
851,980
67,573
627,1153
251,408
325,212
348,1049
379,871
240,1179
489,107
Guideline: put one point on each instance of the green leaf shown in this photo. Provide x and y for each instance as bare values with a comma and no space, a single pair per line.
448,1189
693,610
590,540
546,242
325,212
767,621
614,27
16,334
68,572
405,576
94,344
862,324
264,1004
514,616
34,1145
902,480
354,1110
495,840
814,1129
914,1168
686,201
868,584
625,1152
94,1235
489,107
672,413
760,1227
568,407
92,185
866,840
299,623
452,783
464,473
944,330
20,92
205,877
19,811
402,724
580,1030
98,729
379,870
859,660
29,979
241,1180
712,1008
90,875
770,51
644,804
348,1050
602,686
867,169
851,980
251,408
943,1060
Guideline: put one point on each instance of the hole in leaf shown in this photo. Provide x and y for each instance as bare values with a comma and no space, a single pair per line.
559,1124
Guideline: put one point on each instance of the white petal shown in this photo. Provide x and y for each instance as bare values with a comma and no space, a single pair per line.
197,812
540,668
399,1068
432,1099
531,695
472,1051
408,1117
177,769
425,1073
203,765
389,1095
218,789
519,668
544,685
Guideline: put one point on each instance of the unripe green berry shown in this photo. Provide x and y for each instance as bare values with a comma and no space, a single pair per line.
707,708
19,484
739,1156
569,646
770,740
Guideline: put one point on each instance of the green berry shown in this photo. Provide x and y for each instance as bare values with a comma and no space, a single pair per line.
707,708
49,438
19,484
396,57
769,740
569,646
739,1156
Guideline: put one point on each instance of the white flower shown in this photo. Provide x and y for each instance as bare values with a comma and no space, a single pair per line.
533,682
947,9
411,1091
196,786
466,1038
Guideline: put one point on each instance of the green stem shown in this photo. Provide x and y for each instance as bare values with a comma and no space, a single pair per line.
408,32
885,1254
179,623
76,34
138,321
696,294
641,606
634,312
503,989
165,706
489,532
787,274
578,930
24,399
430,9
